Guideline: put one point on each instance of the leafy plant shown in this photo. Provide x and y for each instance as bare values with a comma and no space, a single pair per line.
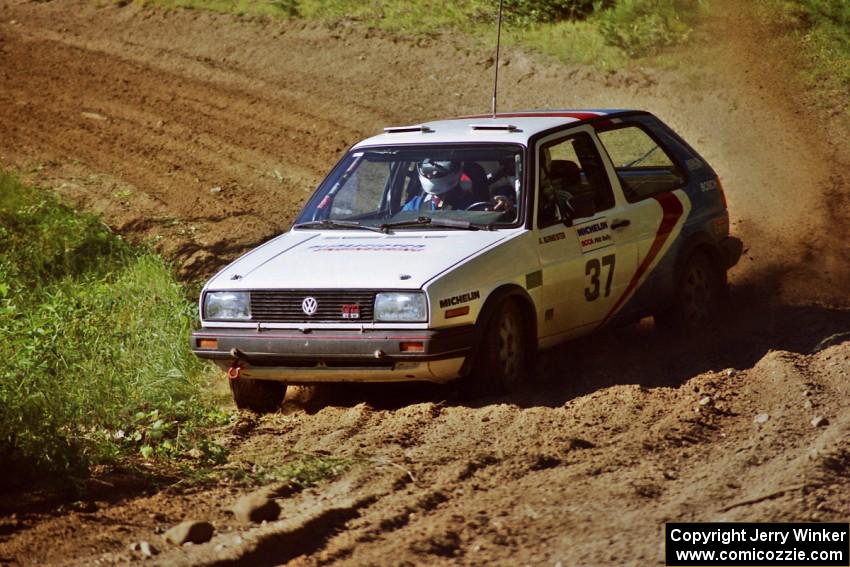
642,27
820,32
605,33
174,437
302,471
94,341
527,12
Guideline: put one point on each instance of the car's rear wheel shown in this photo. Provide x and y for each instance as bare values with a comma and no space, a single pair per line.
503,356
699,298
260,396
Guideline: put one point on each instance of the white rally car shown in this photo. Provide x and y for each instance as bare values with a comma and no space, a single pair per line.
457,248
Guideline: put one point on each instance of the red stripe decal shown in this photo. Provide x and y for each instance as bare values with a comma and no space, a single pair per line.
672,210
312,337
576,115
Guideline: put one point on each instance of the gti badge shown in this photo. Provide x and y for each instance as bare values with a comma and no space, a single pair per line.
309,305
351,311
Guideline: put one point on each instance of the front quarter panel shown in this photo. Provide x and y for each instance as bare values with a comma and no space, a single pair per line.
469,284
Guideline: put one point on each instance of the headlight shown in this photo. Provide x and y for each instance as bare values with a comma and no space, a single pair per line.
409,307
235,305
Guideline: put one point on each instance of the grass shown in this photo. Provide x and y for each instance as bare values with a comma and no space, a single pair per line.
271,8
92,335
603,33
822,30
573,42
299,471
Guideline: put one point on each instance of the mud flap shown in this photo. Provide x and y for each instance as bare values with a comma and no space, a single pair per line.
732,249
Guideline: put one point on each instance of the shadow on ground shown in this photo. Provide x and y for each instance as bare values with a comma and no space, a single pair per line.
28,499
637,354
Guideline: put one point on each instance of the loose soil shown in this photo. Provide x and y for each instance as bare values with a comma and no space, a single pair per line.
202,135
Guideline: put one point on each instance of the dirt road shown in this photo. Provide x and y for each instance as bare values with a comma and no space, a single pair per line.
204,133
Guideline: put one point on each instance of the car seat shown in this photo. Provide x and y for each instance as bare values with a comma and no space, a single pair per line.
565,175
473,174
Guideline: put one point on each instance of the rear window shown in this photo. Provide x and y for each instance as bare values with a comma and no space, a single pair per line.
643,166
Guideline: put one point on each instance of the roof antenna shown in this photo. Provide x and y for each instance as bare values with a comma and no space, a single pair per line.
498,45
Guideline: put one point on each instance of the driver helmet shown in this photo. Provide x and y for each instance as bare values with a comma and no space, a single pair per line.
438,177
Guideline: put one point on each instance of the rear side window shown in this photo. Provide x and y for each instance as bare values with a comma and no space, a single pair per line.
643,166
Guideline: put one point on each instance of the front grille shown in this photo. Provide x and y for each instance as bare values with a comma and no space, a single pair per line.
284,306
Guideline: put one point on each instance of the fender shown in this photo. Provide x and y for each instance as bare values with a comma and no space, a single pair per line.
489,309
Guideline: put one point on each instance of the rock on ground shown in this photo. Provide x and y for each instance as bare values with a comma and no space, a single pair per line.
256,507
190,531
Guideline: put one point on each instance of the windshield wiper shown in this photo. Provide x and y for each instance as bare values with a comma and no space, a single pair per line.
438,222
330,223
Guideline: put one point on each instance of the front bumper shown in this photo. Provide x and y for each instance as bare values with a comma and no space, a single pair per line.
304,357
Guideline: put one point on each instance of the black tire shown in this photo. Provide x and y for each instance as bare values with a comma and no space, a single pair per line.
503,357
700,297
259,396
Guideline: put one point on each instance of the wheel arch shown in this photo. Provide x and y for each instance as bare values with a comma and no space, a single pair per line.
500,294
699,242
672,316
518,294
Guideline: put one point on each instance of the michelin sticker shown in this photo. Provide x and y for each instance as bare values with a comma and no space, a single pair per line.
460,299
594,234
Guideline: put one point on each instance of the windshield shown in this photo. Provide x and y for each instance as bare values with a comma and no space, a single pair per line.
452,185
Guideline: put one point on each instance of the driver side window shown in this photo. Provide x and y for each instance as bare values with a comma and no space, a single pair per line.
570,168
363,191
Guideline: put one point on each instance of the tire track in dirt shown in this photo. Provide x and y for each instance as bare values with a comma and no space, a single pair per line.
539,490
168,137
550,474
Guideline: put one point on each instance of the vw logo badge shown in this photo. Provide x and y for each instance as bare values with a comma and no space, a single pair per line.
309,305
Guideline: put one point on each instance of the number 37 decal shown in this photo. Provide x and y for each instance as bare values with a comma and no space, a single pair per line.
594,270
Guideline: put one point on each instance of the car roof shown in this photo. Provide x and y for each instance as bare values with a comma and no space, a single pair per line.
506,127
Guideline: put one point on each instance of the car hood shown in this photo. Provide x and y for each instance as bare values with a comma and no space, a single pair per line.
350,259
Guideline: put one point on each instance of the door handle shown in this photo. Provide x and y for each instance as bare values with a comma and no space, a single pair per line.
620,224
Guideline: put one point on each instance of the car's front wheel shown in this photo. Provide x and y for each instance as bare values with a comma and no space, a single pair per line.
260,396
503,357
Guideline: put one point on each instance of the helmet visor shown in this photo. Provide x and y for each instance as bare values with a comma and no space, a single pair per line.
430,169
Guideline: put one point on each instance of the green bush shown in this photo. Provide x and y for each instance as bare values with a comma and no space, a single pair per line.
526,12
642,27
93,339
272,8
573,41
822,31
398,12
600,32
835,11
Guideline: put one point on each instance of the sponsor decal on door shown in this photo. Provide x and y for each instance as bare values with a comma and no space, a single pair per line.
594,234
